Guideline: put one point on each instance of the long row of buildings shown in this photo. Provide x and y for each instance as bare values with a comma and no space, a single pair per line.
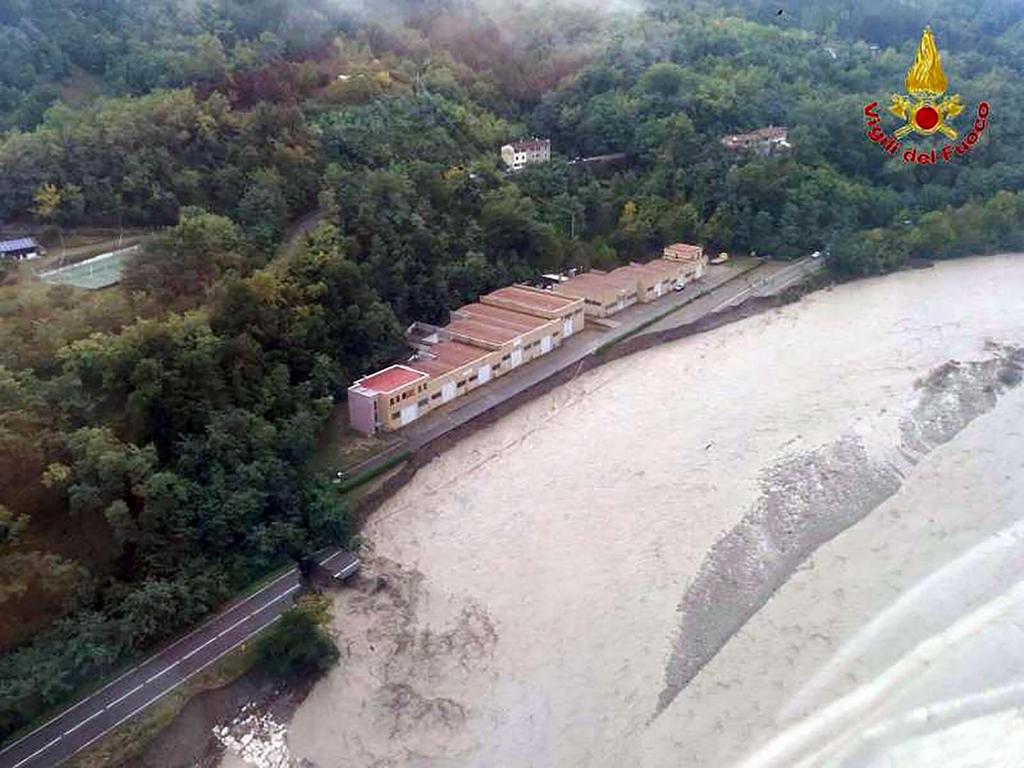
504,330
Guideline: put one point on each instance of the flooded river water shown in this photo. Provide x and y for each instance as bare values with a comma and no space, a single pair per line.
794,540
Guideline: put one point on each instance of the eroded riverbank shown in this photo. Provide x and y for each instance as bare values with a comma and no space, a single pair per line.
534,570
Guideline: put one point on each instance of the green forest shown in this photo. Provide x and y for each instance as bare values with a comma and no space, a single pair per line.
155,438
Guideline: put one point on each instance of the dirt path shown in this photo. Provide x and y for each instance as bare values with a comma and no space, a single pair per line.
297,231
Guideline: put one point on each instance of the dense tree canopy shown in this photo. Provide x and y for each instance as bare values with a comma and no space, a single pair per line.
155,438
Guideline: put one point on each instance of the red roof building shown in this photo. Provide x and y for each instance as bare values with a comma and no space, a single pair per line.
390,379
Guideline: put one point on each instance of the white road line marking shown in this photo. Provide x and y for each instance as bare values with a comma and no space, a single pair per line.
157,655
347,568
70,709
93,716
228,610
732,299
124,719
262,607
41,749
117,701
162,672
185,658
194,651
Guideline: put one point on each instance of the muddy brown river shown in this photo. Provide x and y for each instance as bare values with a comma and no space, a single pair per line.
792,541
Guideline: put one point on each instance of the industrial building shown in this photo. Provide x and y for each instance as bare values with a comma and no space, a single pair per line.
521,298
605,293
655,278
484,340
692,255
503,330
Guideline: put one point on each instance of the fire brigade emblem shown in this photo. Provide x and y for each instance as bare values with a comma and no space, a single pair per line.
926,111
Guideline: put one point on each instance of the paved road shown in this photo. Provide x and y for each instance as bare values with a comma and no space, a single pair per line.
140,687
720,288
775,281
93,717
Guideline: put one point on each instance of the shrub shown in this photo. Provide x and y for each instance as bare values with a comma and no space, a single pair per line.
298,645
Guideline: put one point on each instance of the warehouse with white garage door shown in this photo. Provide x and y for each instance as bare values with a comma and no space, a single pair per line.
483,341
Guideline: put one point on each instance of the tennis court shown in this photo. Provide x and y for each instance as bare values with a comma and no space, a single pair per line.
91,274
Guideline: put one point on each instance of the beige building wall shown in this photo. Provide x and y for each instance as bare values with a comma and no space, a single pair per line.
603,294
692,255
541,303
484,341
551,329
390,406
653,279
444,386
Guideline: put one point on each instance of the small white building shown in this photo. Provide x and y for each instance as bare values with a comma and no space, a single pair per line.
764,141
20,249
521,153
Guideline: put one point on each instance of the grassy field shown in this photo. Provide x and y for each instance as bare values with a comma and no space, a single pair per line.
87,248
93,273
77,244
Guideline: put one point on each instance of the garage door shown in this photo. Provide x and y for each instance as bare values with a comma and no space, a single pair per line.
545,345
483,374
517,357
409,413
567,328
657,289
448,391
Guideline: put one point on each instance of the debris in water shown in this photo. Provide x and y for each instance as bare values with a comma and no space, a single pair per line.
256,737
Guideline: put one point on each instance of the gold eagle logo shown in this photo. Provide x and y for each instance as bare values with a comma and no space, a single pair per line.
925,113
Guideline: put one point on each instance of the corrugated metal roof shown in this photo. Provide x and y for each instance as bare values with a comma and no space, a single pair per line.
588,284
531,298
447,356
21,244
520,322
661,269
479,330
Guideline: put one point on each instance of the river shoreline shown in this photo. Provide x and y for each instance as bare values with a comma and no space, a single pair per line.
472,629
214,707
538,567
641,342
